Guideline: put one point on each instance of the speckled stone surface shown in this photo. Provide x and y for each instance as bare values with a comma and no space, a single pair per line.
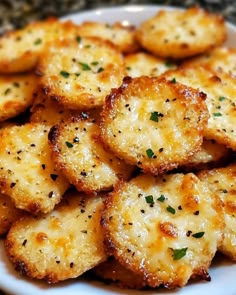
15,14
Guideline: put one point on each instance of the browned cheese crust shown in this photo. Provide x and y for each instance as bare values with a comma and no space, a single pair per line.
60,245
79,154
146,64
181,33
112,271
217,59
165,228
120,35
211,154
220,88
8,214
20,49
153,123
48,111
79,72
222,181
16,94
27,172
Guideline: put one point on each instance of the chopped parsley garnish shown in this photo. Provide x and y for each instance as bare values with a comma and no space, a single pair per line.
170,209
78,39
198,235
69,144
179,253
149,199
150,153
64,74
94,63
155,116
173,81
221,98
217,114
161,198
38,41
85,67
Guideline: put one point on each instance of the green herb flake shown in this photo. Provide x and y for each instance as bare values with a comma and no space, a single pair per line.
38,41
85,67
217,114
150,153
149,199
69,144
94,63
221,98
155,116
161,198
78,39
179,253
198,235
170,209
173,81
64,74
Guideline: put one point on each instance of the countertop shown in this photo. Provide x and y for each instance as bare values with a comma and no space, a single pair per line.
15,14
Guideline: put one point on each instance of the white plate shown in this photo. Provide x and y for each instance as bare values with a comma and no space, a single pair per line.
222,271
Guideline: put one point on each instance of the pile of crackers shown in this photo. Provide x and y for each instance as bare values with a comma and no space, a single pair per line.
117,149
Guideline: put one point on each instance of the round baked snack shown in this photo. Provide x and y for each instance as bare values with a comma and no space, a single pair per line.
78,153
8,214
60,245
79,72
48,111
220,88
146,64
166,228
210,155
181,33
20,49
154,123
217,59
27,173
17,94
222,182
123,36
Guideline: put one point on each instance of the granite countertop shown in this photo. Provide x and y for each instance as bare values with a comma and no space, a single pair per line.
15,14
